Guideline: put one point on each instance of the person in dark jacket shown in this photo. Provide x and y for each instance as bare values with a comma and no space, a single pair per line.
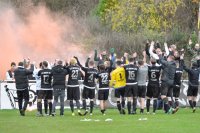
59,80
193,83
21,81
167,79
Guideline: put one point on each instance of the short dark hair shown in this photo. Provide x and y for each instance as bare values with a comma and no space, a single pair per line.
194,64
91,63
20,64
45,63
60,62
13,64
153,61
118,62
102,67
131,59
141,62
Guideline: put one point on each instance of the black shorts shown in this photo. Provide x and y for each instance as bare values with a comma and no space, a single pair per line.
45,94
153,90
103,94
166,89
23,94
73,93
131,90
88,93
142,91
119,92
176,90
192,91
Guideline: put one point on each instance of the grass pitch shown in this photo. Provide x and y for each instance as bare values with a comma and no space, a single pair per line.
184,121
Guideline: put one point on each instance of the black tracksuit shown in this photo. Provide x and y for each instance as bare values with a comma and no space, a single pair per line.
21,81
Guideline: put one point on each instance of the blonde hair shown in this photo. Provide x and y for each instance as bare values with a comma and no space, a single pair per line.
73,61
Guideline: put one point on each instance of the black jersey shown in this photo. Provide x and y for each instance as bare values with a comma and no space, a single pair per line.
103,78
154,74
90,75
178,75
46,78
131,74
74,75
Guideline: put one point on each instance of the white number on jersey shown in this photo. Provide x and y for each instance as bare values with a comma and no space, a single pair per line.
104,78
74,73
153,75
91,77
46,79
131,75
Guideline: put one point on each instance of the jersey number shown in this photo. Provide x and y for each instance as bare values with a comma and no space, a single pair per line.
74,73
153,75
104,78
131,75
91,77
46,79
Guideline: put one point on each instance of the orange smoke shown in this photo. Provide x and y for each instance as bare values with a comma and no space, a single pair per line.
42,35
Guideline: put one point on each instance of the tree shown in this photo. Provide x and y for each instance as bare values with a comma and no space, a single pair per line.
133,15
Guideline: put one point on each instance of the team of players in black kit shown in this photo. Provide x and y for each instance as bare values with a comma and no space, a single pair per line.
127,75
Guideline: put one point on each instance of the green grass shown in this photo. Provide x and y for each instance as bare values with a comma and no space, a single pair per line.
184,121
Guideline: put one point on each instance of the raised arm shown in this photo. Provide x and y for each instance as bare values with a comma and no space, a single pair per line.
183,64
166,49
155,56
96,58
87,62
189,47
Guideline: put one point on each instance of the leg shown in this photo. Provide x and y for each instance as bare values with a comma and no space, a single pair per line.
129,105
26,99
91,105
154,105
141,105
62,98
56,95
148,104
45,106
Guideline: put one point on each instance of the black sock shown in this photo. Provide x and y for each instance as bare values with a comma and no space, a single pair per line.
84,104
78,104
119,106
50,108
71,106
129,107
141,110
102,111
194,104
148,104
134,104
170,103
39,104
123,103
176,103
91,106
154,105
45,106
166,106
191,103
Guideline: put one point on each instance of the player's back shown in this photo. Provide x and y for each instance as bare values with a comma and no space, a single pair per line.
74,75
131,73
154,74
46,78
90,74
103,78
118,77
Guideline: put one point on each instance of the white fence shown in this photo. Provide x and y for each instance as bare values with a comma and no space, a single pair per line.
8,96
